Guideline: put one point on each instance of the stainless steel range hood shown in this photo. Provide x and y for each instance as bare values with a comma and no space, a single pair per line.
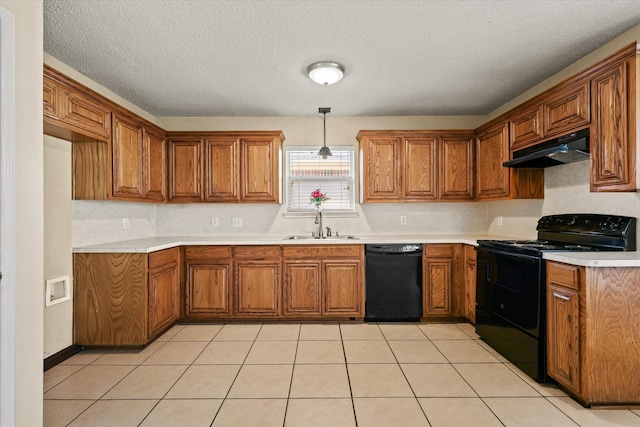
565,149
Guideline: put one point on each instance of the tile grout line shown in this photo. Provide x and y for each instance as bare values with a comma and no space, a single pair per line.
346,366
293,369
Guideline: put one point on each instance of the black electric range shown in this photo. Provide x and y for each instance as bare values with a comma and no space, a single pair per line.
510,281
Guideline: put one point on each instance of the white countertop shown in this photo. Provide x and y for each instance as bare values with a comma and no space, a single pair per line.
596,259
152,244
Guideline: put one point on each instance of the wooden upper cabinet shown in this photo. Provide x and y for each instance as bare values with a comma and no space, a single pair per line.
260,169
225,166
72,109
420,167
221,169
526,128
50,97
127,158
138,160
492,150
613,132
185,176
495,182
155,164
555,112
567,110
382,168
456,174
417,166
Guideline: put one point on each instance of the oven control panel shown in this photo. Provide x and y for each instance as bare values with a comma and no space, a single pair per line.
587,223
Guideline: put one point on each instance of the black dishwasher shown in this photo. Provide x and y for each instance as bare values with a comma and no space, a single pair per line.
393,281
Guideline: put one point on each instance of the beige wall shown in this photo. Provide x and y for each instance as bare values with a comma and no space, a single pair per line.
58,318
28,209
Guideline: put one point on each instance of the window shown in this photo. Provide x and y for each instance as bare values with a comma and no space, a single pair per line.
334,176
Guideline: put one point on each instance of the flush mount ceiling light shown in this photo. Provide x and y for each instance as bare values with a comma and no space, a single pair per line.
325,73
324,151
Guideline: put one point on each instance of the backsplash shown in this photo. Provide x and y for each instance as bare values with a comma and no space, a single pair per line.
566,191
99,222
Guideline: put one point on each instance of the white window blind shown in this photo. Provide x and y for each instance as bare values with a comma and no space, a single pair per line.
334,176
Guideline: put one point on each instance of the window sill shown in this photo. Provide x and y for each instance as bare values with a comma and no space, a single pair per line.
325,214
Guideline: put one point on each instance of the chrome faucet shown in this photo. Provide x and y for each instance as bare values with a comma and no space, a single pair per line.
319,233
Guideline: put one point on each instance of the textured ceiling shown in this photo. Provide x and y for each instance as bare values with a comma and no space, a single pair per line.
248,58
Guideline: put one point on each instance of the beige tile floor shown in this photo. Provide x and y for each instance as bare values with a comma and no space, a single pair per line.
244,375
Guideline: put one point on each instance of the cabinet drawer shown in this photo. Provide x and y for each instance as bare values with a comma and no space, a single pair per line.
156,259
563,275
256,252
207,252
317,251
438,250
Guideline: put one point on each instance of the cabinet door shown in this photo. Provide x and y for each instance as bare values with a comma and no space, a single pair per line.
208,289
382,157
257,289
612,150
260,163
127,158
470,283
567,111
437,277
526,128
343,294
164,297
154,170
302,288
221,170
456,168
492,151
50,96
563,338
185,170
420,168
85,114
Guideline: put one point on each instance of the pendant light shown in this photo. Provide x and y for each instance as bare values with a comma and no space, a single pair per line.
324,151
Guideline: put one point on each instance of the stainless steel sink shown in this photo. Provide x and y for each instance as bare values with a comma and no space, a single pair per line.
307,237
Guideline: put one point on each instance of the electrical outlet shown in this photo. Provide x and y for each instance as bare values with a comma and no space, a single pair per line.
214,221
499,220
125,223
403,220
237,222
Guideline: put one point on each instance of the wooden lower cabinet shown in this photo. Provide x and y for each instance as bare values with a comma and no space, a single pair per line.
257,289
323,281
470,267
125,299
593,338
342,283
164,290
208,282
302,288
443,281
